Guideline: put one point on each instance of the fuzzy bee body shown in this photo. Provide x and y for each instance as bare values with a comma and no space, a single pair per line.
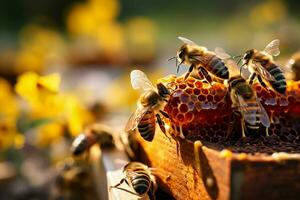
217,67
201,60
96,133
140,180
244,99
262,66
149,108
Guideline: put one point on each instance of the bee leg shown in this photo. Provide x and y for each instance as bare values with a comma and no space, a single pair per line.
119,188
261,81
161,124
181,132
267,131
252,78
204,72
120,183
243,127
166,115
237,113
189,72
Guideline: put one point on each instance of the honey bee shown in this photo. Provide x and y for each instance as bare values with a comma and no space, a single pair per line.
294,65
140,179
96,133
73,181
262,65
203,61
245,102
149,107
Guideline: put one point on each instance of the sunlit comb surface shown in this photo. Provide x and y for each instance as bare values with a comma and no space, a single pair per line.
204,112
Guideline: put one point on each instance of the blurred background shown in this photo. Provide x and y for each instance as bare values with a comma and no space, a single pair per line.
65,64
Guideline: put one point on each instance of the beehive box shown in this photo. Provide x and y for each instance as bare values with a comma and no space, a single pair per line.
215,167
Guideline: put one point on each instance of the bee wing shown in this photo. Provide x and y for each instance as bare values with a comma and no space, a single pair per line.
187,41
273,48
264,73
264,118
139,80
246,109
135,118
221,53
288,66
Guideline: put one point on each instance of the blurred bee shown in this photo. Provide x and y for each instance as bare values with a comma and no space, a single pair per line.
73,181
262,65
140,179
149,108
245,102
203,61
294,65
96,133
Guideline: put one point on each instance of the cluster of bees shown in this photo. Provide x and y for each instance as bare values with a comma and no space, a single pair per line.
75,176
211,67
204,65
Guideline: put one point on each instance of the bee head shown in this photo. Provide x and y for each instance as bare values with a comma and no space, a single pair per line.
249,54
163,91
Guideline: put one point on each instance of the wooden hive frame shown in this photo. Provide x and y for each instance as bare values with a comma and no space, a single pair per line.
219,174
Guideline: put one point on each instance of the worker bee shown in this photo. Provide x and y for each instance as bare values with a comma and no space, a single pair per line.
140,179
96,133
73,181
245,102
262,65
203,61
294,65
149,107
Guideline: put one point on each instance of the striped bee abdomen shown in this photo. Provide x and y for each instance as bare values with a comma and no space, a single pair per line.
252,116
279,84
218,68
141,182
146,127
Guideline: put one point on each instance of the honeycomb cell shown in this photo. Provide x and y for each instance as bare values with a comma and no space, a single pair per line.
204,91
189,91
189,117
201,97
182,86
210,98
184,98
180,117
198,84
197,91
183,108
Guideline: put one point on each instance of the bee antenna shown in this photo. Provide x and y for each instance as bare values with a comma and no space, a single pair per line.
179,66
172,58
241,68
238,56
239,60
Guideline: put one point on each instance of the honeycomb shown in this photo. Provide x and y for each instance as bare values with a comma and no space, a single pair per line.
203,112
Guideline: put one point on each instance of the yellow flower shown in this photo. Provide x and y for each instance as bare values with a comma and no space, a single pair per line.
9,136
85,18
36,89
10,107
39,47
144,38
49,133
9,112
267,13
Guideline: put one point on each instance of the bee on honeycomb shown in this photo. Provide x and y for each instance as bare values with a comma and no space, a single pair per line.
203,111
